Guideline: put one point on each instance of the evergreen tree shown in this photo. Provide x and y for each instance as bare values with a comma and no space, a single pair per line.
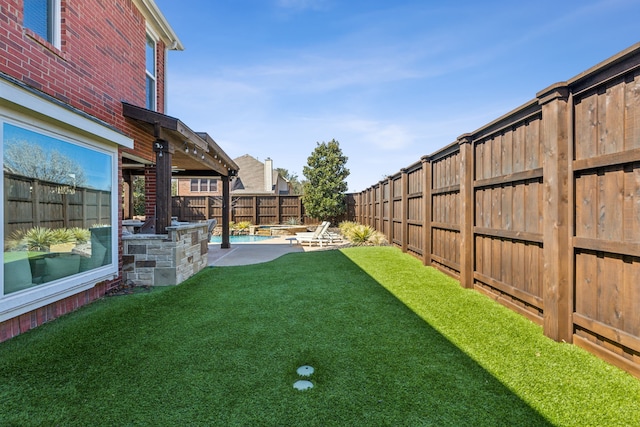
325,186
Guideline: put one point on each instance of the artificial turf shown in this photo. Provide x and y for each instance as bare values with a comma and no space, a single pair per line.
392,343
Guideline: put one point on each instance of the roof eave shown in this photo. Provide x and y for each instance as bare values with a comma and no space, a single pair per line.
157,20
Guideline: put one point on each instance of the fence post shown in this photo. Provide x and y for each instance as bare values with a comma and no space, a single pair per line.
467,201
356,208
390,210
426,210
300,211
405,209
255,210
372,207
557,292
377,223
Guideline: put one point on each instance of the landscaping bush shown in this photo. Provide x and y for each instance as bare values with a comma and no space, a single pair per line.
41,238
81,235
362,235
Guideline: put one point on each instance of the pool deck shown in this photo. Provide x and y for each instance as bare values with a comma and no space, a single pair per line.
258,252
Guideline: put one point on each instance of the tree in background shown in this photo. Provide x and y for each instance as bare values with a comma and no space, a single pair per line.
325,187
297,187
32,160
138,195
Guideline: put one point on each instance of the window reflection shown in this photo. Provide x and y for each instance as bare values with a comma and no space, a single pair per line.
151,77
57,215
38,16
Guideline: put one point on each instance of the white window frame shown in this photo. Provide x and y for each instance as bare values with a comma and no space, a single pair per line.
208,181
165,91
22,108
150,35
54,18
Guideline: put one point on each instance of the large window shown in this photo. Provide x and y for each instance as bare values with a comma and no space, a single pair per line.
58,207
204,185
43,18
151,74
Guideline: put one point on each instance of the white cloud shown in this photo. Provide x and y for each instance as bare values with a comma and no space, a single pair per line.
385,136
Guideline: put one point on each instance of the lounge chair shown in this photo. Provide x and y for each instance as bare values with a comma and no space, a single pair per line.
319,229
317,236
332,237
323,233
211,226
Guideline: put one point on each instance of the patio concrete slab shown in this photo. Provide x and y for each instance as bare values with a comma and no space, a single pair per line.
256,252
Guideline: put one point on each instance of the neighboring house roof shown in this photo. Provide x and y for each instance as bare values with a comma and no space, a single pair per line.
251,176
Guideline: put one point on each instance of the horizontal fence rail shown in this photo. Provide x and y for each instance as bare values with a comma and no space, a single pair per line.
33,203
539,209
258,209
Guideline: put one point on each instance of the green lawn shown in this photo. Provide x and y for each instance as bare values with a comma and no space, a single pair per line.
392,343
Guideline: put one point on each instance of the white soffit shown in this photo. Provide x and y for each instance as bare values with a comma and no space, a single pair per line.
10,93
156,20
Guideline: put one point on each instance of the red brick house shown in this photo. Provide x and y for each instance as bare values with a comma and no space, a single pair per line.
82,102
199,186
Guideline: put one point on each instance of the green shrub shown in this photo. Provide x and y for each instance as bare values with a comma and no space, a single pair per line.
41,238
346,227
38,239
378,239
242,225
292,221
81,235
362,235
61,235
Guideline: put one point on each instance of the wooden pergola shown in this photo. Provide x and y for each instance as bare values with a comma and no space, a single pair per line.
179,151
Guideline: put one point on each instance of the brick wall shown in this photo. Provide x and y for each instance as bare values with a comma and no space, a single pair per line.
21,324
100,63
184,189
150,191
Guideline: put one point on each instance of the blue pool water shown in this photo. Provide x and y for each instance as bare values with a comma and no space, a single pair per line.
240,239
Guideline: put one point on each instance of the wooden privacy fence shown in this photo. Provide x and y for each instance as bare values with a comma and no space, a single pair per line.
258,209
539,209
32,203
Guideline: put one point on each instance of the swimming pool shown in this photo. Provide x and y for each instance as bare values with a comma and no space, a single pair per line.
241,239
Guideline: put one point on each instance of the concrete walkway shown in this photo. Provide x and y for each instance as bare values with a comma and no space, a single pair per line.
256,252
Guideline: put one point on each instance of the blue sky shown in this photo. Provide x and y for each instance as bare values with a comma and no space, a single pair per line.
390,80
96,167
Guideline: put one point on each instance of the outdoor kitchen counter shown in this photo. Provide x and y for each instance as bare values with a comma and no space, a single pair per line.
165,259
